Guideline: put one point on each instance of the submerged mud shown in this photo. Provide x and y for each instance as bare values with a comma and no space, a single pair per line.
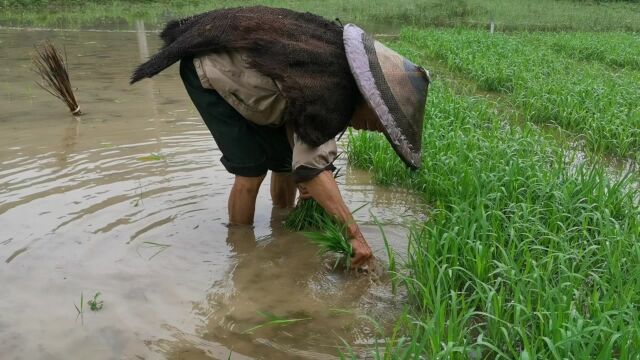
130,200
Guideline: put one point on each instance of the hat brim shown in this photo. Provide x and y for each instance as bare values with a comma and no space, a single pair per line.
375,91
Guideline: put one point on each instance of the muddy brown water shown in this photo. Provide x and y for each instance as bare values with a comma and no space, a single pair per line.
84,208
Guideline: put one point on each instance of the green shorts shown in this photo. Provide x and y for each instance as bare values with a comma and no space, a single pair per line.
247,149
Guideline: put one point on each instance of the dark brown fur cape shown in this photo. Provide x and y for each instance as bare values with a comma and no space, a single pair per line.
303,52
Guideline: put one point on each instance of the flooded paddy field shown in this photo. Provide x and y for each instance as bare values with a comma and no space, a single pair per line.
129,200
530,249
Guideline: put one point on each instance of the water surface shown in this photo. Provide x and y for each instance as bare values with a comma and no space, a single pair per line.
130,200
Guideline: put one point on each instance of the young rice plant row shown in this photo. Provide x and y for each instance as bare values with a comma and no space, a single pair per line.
547,84
525,255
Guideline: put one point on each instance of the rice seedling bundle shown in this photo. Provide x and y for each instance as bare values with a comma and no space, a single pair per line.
331,236
305,216
327,232
320,227
525,254
595,101
52,68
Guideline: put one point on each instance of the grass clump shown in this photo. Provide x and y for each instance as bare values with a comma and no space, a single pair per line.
95,304
527,253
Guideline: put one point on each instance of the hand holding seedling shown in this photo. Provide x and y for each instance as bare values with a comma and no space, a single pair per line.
295,136
361,251
324,190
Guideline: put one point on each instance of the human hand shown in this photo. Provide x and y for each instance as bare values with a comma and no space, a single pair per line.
362,253
304,193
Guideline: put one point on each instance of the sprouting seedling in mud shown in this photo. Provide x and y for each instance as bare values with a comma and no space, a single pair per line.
80,308
52,69
95,304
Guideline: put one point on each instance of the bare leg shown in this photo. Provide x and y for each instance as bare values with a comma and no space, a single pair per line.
242,200
324,190
283,190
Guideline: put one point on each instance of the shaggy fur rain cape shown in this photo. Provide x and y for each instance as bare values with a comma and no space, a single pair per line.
303,52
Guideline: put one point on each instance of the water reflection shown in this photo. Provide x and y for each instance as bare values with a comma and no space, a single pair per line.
281,275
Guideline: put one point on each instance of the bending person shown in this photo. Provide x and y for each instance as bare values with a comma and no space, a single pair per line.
275,87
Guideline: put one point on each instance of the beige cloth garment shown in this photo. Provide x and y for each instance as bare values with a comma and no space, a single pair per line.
258,99
316,158
255,96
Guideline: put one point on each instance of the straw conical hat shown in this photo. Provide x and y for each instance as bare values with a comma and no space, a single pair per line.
394,87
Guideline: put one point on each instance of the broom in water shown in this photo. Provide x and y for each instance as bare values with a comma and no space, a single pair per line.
52,68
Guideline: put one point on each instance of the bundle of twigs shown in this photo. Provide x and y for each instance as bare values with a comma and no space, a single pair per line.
52,68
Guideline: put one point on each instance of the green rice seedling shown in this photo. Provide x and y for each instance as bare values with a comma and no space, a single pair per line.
80,309
331,236
390,254
526,254
593,101
139,200
160,248
308,214
619,50
305,216
321,228
152,157
95,304
274,320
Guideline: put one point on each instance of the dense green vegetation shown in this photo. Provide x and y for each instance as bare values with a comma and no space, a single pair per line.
378,15
548,84
528,253
620,50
